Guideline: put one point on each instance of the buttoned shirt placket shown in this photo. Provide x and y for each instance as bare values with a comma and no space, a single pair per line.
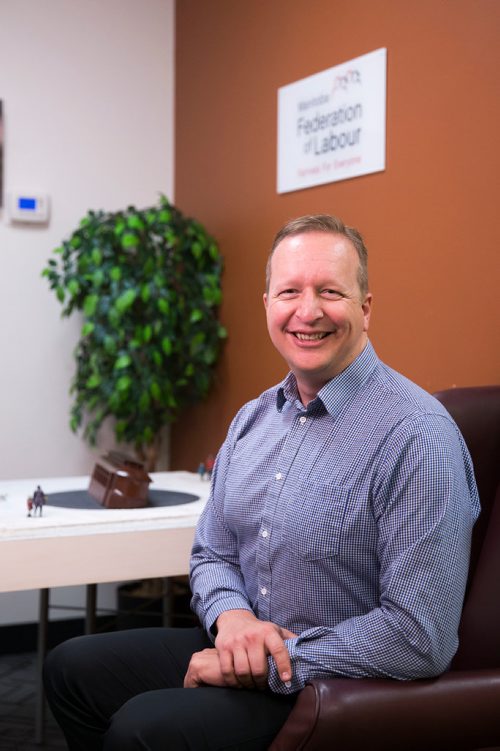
285,475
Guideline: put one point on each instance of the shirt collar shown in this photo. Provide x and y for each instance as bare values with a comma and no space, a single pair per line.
334,394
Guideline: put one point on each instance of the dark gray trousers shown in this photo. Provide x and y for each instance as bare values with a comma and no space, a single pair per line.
122,691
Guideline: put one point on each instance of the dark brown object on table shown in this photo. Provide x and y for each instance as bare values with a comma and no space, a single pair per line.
118,481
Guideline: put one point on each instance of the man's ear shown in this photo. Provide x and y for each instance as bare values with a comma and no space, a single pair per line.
264,298
367,309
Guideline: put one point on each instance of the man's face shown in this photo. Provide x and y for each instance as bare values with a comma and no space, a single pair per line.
316,315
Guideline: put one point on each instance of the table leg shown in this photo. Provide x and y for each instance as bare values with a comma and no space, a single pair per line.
167,601
43,621
91,599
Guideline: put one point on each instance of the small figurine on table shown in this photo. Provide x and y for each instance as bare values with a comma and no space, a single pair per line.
209,465
201,470
36,503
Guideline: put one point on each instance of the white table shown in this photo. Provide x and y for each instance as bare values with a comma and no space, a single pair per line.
74,546
78,546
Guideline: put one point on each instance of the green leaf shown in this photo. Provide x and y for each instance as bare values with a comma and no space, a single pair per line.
145,292
196,315
74,423
212,295
157,358
125,300
90,305
135,222
165,216
96,256
60,294
123,383
73,287
129,240
222,332
166,345
98,277
88,328
197,340
197,250
147,333
155,391
114,318
163,306
116,273
109,345
209,355
94,381
123,362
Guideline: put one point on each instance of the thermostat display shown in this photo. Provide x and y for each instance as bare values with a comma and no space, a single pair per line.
26,207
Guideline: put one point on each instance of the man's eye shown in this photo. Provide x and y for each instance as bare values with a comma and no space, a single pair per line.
287,292
332,294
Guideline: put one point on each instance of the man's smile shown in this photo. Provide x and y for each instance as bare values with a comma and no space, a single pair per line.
315,336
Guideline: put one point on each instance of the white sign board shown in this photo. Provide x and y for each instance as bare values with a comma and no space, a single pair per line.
331,126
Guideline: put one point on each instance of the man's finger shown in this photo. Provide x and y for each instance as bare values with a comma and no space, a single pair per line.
227,668
279,653
242,669
259,668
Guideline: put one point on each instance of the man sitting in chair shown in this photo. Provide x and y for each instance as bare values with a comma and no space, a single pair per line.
335,541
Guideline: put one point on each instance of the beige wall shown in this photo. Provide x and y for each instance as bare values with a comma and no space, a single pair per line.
430,220
87,88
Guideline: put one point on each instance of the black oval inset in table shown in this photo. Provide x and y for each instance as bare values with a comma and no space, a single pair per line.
82,500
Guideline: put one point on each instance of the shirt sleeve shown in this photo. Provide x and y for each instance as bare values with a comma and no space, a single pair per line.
215,573
425,503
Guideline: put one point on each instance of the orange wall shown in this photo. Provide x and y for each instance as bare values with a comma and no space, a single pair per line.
429,221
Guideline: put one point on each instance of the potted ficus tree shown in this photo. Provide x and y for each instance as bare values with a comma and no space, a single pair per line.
147,284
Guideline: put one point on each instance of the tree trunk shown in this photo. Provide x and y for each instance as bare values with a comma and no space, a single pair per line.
149,453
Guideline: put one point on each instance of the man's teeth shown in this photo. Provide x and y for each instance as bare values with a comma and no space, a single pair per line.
311,337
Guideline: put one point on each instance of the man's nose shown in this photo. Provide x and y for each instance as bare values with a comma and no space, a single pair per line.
309,307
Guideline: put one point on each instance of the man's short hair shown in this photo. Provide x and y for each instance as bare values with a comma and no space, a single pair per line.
328,224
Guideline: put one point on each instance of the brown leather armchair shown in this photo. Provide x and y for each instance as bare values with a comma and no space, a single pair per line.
459,710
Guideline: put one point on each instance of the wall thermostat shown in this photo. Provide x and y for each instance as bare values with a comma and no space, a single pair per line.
28,207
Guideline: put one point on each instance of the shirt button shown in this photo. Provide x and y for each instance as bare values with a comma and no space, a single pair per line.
265,533
263,591
302,419
278,475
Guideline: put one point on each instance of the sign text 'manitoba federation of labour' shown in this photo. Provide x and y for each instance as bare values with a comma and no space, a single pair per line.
331,126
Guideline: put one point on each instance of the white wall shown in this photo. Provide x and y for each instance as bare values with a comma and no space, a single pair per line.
88,95
87,88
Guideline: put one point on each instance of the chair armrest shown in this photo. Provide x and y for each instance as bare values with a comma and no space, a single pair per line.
458,710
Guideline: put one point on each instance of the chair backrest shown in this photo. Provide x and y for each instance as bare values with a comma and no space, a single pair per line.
476,411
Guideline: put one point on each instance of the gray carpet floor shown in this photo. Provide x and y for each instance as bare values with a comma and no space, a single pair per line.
17,707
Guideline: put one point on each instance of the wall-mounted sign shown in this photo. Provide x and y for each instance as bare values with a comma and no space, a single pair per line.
331,126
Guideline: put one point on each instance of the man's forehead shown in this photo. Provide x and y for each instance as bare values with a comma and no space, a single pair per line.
314,239
322,246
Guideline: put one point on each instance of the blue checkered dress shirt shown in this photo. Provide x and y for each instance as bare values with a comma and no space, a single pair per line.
348,522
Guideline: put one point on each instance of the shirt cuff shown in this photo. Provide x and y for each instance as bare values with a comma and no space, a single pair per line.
220,606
